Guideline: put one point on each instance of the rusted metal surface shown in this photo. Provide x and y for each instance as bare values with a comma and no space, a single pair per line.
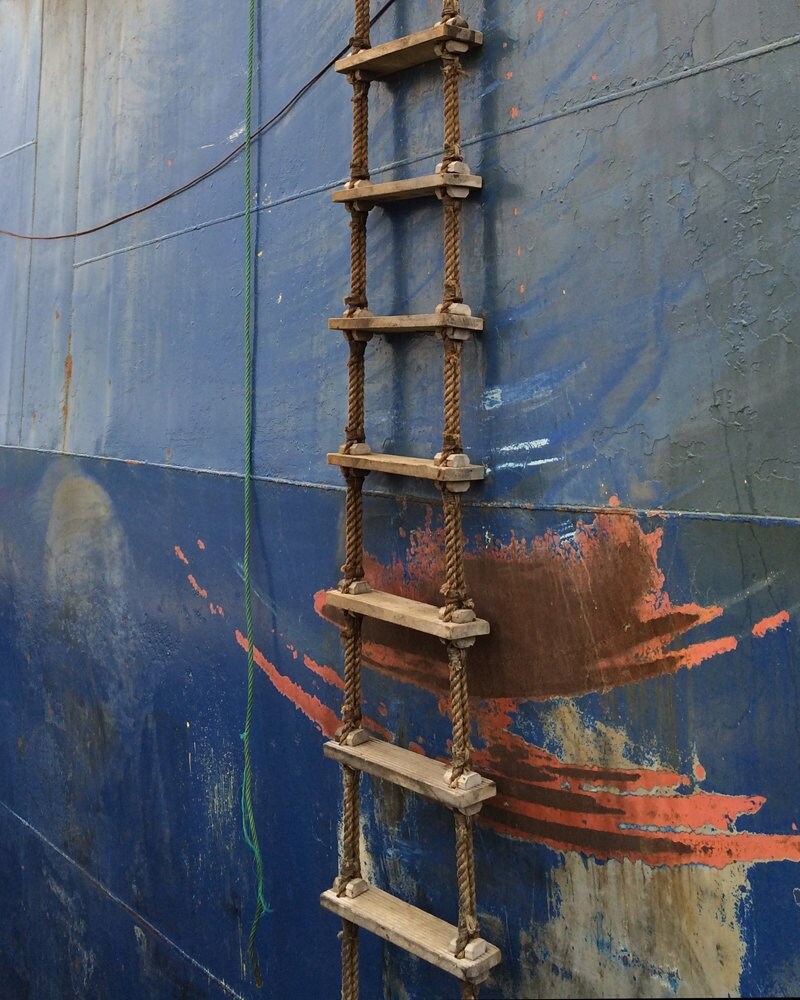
635,545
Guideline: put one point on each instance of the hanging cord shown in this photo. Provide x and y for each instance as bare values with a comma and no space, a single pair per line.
212,169
248,814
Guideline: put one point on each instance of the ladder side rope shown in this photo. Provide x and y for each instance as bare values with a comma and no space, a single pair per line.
353,568
455,588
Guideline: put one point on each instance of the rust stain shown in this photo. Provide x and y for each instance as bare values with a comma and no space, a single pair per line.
66,393
569,616
770,624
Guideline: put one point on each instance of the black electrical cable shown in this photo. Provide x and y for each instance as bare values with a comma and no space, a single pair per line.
206,173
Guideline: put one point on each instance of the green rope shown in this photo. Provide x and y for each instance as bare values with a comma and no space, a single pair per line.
248,816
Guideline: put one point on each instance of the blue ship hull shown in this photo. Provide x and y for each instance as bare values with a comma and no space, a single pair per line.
635,546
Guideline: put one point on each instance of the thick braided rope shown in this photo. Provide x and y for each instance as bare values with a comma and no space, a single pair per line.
451,76
455,586
351,703
359,165
452,251
357,299
353,567
469,991
360,39
354,431
450,8
465,873
459,712
349,961
451,438
350,867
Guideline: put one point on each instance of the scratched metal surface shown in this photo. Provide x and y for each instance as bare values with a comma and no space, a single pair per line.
635,252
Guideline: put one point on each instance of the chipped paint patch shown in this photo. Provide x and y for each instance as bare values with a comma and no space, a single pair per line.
770,624
623,929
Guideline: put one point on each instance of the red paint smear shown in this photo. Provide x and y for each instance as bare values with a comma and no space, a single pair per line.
196,586
323,718
328,675
180,555
610,573
568,616
761,628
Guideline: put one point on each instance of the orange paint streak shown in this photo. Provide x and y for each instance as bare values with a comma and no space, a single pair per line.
180,555
661,849
540,15
514,112
323,717
196,587
328,675
200,543
769,624
509,75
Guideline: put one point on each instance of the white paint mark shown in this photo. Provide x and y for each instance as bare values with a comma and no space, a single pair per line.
527,465
236,134
209,145
279,298
492,398
525,445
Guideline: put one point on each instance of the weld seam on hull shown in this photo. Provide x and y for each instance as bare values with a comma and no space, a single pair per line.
595,102
142,921
766,520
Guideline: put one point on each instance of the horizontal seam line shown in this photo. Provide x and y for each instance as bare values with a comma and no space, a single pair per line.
143,921
17,149
595,102
568,508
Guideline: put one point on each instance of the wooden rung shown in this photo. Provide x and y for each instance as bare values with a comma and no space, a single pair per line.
413,187
412,50
410,770
409,614
418,932
421,323
400,465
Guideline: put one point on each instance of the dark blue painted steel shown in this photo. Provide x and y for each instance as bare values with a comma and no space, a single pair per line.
635,252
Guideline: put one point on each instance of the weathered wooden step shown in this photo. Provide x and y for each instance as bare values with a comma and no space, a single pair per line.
410,614
401,465
418,323
411,50
413,771
418,932
457,185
